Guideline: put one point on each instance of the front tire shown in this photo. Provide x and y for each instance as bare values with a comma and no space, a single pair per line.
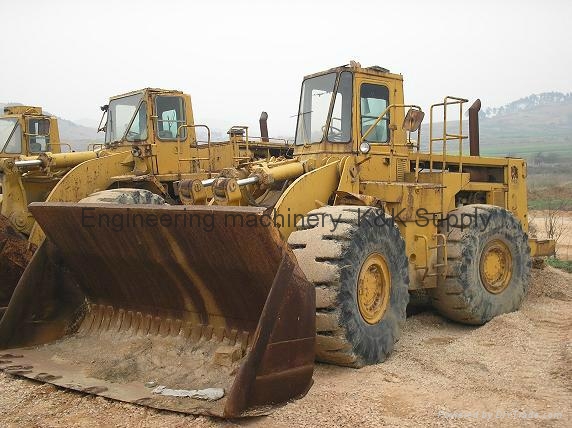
355,256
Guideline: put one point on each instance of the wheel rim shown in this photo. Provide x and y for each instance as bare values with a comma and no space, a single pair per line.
373,288
496,266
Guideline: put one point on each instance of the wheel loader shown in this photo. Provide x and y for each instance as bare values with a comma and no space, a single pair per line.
150,143
221,305
28,138
26,131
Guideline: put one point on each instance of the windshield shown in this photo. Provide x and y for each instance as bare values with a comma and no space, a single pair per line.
315,103
123,113
7,126
340,129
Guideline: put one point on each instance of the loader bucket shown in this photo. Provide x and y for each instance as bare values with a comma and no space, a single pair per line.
14,257
177,308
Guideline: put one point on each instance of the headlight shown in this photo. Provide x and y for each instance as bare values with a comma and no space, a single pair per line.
364,147
136,152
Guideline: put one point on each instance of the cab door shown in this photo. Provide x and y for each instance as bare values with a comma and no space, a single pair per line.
374,95
38,135
169,113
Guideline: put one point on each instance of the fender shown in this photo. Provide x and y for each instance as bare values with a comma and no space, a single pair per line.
306,193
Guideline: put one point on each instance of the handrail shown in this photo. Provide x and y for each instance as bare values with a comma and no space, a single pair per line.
95,146
391,140
60,144
179,159
234,141
374,124
380,118
447,101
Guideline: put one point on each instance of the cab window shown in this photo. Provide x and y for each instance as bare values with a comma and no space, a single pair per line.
315,100
14,143
138,129
39,135
374,99
170,113
340,129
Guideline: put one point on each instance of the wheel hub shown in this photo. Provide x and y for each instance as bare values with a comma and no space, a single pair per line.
496,266
373,288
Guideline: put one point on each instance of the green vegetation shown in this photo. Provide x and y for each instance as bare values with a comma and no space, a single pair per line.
565,265
530,150
540,203
550,187
550,191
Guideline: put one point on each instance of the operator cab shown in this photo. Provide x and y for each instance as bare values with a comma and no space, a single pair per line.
128,117
155,122
25,131
344,106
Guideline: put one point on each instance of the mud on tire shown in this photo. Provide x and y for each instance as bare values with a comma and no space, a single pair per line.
332,260
462,296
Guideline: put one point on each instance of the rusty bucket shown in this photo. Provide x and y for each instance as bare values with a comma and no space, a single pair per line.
190,309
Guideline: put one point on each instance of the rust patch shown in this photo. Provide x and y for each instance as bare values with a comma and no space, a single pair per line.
107,310
14,257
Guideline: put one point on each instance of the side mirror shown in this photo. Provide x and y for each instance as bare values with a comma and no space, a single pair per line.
413,120
104,109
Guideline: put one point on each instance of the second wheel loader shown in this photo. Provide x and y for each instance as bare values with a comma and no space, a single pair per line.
150,143
224,303
29,139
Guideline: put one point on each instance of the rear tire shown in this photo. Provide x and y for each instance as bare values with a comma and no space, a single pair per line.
419,301
488,268
360,272
124,196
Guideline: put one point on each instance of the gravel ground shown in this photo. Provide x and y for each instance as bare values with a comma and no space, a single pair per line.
440,374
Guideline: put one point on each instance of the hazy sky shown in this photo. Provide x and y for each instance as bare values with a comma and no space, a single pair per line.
237,58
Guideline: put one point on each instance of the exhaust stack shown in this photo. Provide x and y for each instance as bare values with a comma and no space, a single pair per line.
474,128
264,126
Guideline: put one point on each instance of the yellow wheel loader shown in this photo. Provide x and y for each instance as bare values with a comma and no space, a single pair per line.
150,144
26,131
219,306
28,139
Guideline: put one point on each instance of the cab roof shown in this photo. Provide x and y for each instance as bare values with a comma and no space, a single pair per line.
23,110
148,90
356,67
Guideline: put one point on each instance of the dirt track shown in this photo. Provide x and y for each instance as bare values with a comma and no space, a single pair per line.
519,362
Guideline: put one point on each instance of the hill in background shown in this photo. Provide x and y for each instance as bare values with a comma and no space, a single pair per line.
532,126
537,127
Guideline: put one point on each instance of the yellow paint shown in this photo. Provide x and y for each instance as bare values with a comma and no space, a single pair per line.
373,288
495,266
419,188
301,196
